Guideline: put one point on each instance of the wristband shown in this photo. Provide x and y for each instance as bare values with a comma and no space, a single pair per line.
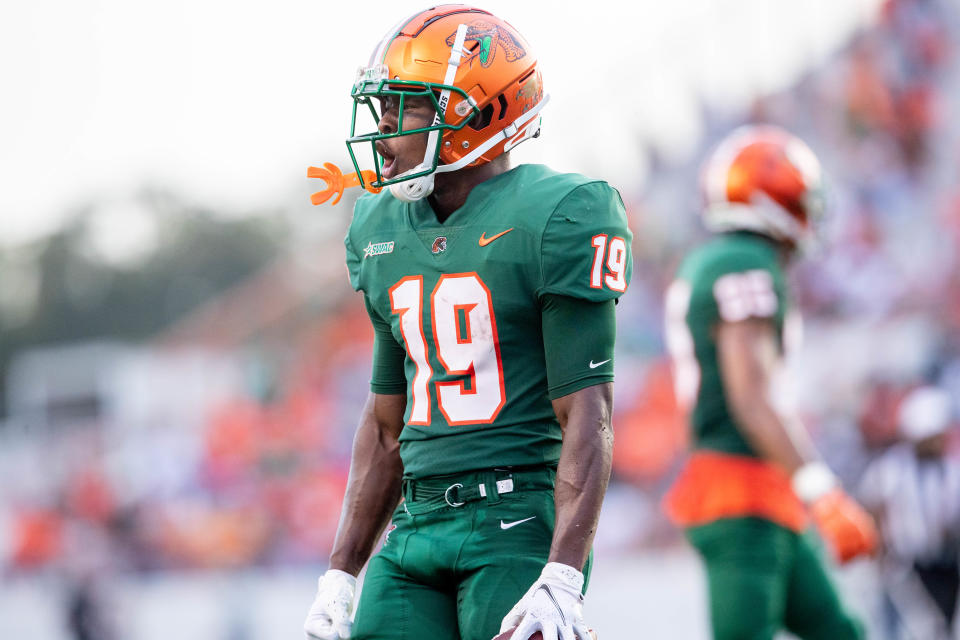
812,481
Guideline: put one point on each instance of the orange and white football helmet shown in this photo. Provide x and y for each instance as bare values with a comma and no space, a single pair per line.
481,76
761,178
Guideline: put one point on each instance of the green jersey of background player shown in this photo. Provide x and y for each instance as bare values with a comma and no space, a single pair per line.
486,441
754,477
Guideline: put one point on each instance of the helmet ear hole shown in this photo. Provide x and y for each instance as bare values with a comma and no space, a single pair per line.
478,123
502,99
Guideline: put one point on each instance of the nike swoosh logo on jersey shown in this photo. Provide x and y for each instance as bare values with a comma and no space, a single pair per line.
484,241
594,365
509,525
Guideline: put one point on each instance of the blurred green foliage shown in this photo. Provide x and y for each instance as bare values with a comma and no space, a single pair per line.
61,288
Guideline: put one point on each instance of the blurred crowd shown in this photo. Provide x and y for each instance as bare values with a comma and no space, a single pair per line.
260,481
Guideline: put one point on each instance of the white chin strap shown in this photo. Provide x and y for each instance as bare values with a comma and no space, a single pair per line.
523,128
514,133
413,189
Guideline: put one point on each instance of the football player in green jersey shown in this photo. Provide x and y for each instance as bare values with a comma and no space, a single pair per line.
754,478
485,444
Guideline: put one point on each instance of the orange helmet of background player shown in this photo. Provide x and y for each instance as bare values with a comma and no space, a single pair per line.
486,88
761,178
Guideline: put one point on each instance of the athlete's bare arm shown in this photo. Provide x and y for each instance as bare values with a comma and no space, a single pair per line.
583,472
748,356
373,489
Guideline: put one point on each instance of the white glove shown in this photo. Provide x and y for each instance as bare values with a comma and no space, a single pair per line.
553,605
329,616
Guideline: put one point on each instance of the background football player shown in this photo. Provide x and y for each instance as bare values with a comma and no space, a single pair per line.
491,290
754,477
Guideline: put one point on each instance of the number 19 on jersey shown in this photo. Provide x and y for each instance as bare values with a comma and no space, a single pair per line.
464,332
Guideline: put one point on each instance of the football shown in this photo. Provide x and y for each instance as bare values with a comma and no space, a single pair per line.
536,635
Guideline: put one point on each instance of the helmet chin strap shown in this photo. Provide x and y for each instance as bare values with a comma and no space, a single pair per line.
419,188
514,133
414,189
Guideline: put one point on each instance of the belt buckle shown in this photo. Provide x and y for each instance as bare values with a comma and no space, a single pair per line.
502,487
446,495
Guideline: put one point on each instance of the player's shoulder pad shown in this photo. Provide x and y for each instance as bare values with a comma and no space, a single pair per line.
375,216
730,253
585,244
541,190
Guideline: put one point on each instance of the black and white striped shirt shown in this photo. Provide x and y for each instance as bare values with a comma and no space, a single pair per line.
917,501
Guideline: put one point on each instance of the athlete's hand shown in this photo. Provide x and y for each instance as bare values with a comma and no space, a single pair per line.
553,605
329,616
847,528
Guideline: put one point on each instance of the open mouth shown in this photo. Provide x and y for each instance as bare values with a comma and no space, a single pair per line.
388,170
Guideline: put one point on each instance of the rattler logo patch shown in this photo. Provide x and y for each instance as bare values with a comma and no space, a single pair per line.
489,38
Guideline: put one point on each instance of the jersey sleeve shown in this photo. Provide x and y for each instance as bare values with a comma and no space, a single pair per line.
575,358
387,376
353,263
585,248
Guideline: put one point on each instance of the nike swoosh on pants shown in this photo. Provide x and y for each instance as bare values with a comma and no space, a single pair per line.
508,525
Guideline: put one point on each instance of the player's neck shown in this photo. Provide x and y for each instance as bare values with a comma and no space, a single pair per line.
786,254
451,189
786,251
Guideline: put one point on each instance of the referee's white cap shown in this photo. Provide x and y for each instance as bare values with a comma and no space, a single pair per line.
925,412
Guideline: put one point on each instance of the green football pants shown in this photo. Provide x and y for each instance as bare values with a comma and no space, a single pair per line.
453,572
763,578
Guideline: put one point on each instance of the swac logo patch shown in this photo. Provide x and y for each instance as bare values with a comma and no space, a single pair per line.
377,249
439,245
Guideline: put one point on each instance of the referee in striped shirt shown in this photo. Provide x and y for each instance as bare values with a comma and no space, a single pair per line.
913,489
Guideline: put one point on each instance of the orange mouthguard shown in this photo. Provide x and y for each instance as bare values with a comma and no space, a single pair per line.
337,181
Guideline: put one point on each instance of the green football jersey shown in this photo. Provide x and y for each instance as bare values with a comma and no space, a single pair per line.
733,277
463,298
